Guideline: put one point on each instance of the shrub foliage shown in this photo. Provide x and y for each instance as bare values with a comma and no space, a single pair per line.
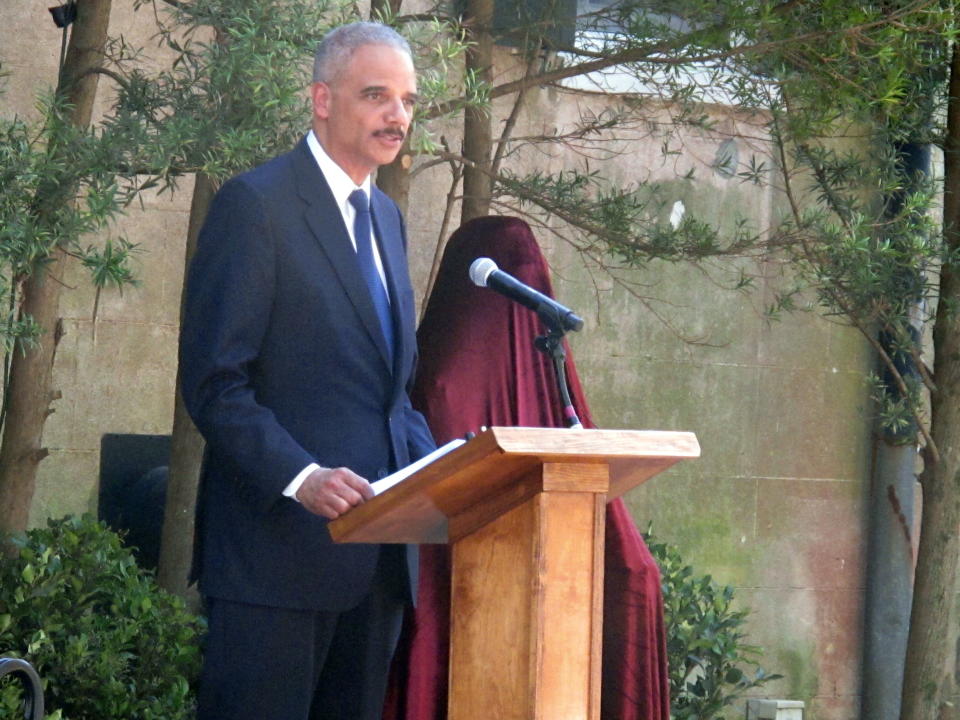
106,641
711,665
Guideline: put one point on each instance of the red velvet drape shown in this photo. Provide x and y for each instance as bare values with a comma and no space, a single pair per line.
479,367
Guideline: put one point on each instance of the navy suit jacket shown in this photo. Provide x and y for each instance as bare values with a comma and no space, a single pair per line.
283,363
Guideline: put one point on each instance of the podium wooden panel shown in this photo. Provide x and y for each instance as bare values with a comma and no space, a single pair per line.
524,511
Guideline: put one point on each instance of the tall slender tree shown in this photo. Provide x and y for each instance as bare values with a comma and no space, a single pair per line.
61,181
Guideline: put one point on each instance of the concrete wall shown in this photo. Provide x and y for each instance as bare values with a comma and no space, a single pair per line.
774,507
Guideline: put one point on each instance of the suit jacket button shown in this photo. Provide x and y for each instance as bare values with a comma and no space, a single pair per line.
382,473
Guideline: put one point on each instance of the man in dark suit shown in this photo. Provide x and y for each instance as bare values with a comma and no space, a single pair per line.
297,351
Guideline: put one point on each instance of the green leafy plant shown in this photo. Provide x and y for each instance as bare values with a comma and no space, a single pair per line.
711,666
106,641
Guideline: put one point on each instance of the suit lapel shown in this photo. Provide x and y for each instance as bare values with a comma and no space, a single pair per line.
326,223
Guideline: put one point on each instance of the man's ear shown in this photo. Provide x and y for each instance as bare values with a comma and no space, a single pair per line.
320,94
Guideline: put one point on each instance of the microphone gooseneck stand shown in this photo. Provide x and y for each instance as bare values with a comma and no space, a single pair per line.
551,344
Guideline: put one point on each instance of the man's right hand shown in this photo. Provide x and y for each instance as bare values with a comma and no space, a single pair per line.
331,492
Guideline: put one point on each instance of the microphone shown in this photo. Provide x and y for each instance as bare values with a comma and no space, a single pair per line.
485,273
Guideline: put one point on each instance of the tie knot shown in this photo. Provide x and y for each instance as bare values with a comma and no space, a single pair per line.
358,198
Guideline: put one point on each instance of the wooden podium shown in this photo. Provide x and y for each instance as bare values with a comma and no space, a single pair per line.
524,511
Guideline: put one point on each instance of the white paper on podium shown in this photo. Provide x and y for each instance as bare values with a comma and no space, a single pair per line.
400,475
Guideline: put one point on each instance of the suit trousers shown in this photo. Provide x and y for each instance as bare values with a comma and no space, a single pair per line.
268,663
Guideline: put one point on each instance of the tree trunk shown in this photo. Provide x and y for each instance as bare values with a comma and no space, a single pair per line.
926,678
29,393
927,683
30,390
85,51
477,130
186,445
394,179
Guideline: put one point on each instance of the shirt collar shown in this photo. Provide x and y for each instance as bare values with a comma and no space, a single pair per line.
341,185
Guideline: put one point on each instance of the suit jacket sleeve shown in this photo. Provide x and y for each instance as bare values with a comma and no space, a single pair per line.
230,288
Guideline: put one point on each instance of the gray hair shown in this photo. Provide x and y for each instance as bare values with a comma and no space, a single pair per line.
334,51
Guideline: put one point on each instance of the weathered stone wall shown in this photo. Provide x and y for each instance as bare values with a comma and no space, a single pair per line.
774,507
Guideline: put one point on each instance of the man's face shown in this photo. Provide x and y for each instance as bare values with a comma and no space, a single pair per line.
363,115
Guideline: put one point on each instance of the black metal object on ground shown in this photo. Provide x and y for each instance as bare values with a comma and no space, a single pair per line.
133,484
21,669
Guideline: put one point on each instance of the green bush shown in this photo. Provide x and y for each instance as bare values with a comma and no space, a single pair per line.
107,642
711,666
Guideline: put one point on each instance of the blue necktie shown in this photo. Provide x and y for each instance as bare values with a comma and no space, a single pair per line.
368,267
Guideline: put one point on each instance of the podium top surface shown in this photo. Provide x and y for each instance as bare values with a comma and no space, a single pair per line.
501,463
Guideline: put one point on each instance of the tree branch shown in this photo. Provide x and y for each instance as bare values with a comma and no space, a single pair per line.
660,54
512,119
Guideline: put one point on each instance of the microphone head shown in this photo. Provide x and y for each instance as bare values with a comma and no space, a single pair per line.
480,270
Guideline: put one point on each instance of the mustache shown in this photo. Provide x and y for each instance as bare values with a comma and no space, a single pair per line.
395,132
